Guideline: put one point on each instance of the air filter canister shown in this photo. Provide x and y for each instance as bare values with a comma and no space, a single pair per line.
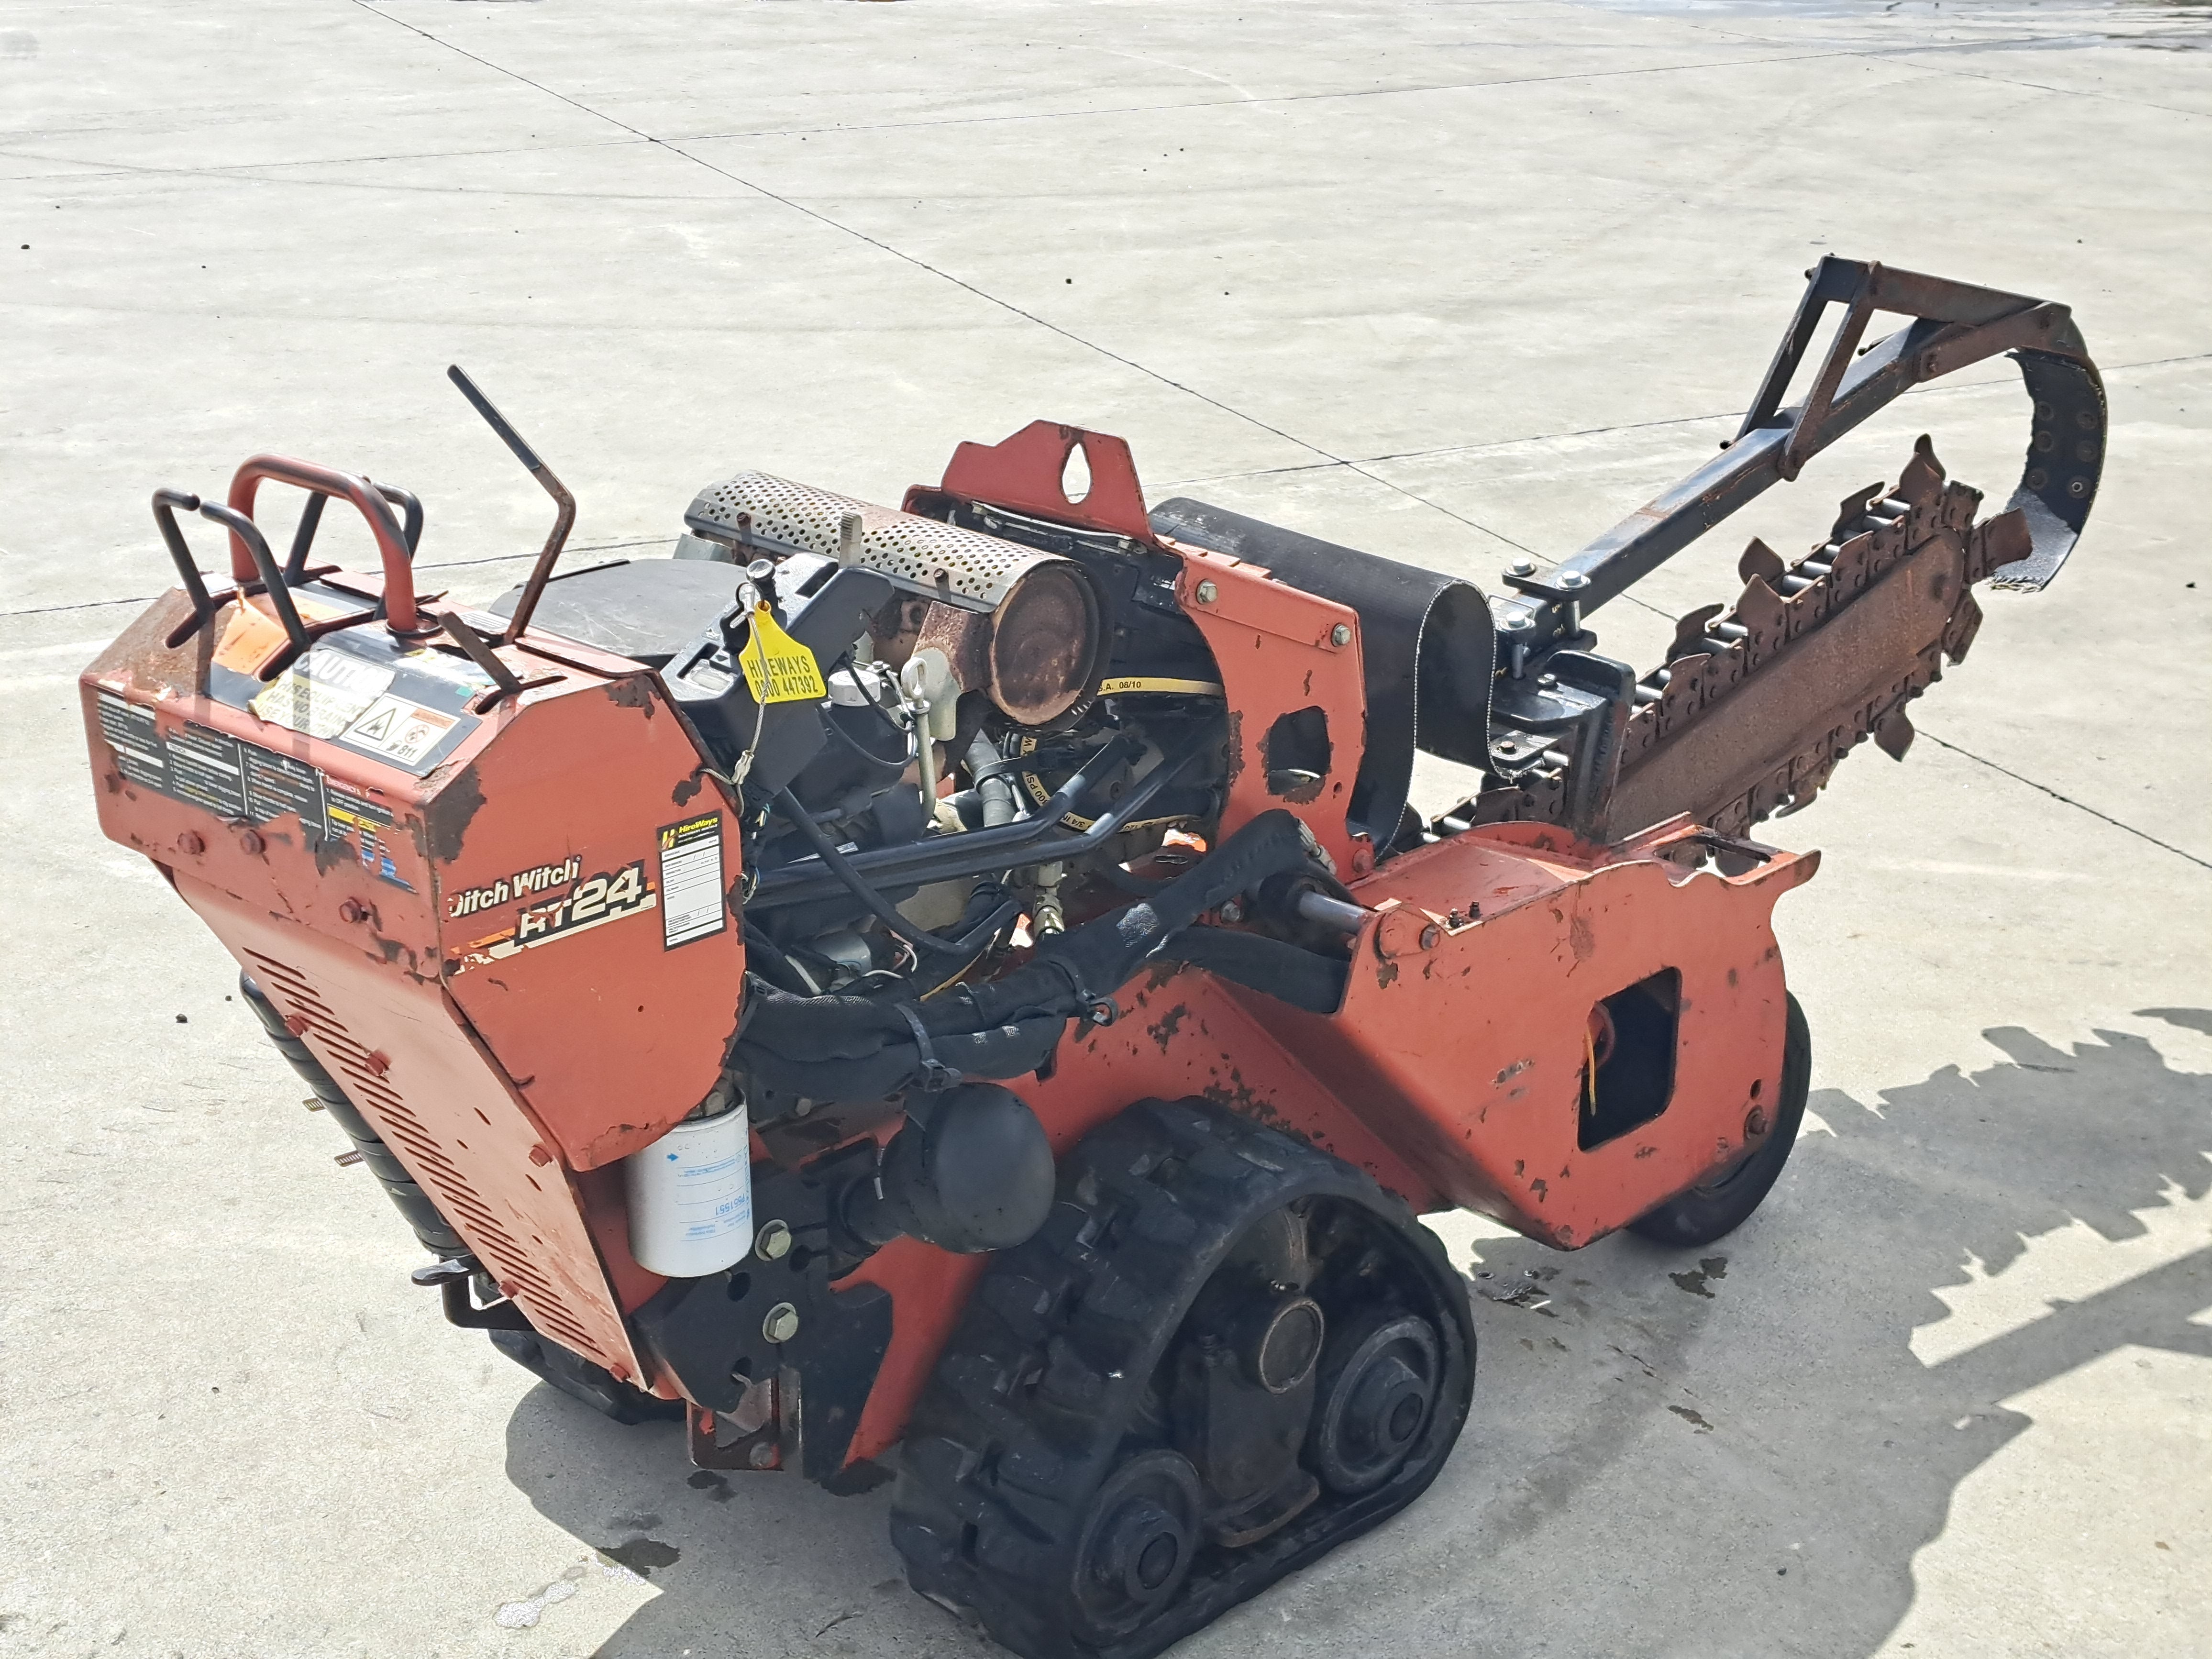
691,1197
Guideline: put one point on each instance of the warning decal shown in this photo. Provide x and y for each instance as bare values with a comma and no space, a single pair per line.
349,812
404,705
399,729
241,782
322,693
691,881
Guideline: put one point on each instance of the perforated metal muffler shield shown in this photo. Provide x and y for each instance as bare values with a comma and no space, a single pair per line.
975,572
1041,641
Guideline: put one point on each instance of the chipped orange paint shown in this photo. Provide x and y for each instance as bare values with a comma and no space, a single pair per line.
1276,650
510,1069
506,1087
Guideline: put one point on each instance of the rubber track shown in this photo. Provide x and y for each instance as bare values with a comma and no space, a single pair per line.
1044,1377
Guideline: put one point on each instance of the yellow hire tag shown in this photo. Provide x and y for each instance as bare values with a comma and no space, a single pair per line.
778,668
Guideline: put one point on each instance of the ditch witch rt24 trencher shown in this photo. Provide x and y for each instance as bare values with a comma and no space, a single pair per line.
958,993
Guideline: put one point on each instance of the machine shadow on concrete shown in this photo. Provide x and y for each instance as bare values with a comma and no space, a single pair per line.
1690,1420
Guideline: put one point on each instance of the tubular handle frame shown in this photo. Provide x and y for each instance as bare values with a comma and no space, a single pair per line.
370,501
265,572
564,504
311,519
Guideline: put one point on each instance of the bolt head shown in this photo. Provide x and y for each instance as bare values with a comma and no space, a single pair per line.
249,842
1207,592
1232,911
1431,936
781,1323
1571,580
773,1241
190,844
762,1456
1340,634
353,911
1754,1123
1524,565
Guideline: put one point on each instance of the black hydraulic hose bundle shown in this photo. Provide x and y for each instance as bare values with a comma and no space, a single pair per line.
1289,973
971,940
854,1047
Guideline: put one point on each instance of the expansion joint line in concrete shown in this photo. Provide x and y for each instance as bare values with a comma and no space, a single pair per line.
1151,373
920,264
443,564
2068,800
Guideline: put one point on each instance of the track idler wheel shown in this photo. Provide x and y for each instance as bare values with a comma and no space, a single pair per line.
1379,1382
1222,1355
1711,1211
1140,1533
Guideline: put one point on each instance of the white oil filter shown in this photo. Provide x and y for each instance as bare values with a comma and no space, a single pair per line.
691,1197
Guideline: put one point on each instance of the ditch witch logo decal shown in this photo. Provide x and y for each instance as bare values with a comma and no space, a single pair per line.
591,903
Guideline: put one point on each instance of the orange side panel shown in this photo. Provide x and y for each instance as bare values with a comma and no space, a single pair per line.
1277,649
608,1003
1465,1042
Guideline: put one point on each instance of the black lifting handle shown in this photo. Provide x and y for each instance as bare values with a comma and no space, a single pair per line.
167,501
564,517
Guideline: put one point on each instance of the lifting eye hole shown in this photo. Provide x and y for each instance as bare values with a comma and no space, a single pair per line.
1075,474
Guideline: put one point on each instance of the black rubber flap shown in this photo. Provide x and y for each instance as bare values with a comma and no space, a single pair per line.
647,609
1426,640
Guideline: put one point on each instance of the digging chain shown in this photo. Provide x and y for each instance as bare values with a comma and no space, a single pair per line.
1719,653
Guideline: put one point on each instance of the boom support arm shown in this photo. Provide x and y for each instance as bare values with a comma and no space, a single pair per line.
1757,703
1954,325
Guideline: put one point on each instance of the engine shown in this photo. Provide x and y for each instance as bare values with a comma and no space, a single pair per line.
963,739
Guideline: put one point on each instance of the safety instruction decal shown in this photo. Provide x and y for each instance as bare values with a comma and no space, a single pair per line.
241,782
691,881
322,693
401,705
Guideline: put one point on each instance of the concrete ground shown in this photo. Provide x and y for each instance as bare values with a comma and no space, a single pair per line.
1444,281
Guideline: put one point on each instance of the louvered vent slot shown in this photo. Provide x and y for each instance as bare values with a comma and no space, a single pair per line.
365,1079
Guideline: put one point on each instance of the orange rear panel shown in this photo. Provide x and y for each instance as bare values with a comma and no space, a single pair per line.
513,970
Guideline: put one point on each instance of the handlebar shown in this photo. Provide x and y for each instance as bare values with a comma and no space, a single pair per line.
367,499
243,532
